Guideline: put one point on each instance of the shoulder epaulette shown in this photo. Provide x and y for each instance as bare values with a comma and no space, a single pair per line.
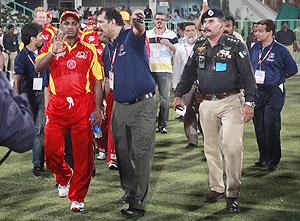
230,39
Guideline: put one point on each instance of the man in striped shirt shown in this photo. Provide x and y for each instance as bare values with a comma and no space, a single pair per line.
163,44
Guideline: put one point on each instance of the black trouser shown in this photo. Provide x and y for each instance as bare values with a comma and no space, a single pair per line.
267,123
133,128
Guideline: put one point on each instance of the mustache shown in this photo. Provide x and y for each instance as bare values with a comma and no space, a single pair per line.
205,30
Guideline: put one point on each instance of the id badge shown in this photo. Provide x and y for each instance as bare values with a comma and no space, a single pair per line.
37,84
111,80
260,76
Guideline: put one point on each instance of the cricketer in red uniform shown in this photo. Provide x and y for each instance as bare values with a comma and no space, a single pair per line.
75,92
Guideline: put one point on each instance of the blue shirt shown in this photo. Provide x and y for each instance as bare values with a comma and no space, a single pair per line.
132,75
276,65
24,66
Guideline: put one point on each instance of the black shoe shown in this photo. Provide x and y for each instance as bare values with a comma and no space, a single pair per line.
232,205
124,199
260,163
163,130
213,196
190,146
36,170
272,167
133,213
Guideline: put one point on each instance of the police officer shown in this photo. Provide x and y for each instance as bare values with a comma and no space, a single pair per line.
222,68
272,63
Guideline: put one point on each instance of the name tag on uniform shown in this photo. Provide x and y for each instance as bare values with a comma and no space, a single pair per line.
37,84
221,66
111,80
260,76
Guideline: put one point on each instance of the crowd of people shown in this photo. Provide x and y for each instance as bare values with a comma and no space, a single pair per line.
107,74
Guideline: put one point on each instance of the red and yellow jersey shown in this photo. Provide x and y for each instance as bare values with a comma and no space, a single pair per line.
100,49
48,32
91,37
73,71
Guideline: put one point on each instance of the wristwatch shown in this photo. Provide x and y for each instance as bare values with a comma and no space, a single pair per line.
251,104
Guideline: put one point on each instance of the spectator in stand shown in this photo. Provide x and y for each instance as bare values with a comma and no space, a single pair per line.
230,29
148,13
287,37
126,18
87,13
251,39
163,43
32,84
11,46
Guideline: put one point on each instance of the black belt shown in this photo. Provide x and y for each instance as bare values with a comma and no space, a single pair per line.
219,96
141,98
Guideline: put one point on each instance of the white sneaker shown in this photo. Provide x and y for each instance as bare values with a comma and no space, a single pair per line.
113,166
101,156
63,191
76,206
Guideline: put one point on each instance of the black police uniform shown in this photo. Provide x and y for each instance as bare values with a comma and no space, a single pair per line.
221,72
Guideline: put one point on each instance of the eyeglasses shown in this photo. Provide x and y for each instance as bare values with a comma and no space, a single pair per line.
160,19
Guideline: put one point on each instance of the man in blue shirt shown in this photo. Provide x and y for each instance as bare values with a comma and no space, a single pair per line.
32,84
134,116
272,64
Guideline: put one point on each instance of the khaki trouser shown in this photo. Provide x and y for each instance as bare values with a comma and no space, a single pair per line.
223,136
190,119
10,65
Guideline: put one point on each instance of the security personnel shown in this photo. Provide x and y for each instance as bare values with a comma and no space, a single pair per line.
222,68
272,64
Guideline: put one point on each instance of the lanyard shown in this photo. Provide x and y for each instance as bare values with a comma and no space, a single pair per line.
260,59
33,63
113,59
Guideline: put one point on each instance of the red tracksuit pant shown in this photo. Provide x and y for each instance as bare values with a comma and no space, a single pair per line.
63,113
107,141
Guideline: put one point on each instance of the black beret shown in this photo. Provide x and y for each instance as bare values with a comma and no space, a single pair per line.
210,13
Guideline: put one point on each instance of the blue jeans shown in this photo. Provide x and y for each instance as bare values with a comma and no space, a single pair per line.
37,104
163,80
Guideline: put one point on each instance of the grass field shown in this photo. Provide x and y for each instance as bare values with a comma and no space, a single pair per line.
178,182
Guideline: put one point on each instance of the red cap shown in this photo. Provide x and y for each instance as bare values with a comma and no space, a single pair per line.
69,13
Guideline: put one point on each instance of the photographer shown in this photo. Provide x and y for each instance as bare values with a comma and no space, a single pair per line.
17,131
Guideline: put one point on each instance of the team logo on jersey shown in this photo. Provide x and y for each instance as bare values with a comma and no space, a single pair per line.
99,51
71,64
121,50
45,37
91,38
82,54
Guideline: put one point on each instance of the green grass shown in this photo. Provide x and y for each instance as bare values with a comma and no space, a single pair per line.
178,182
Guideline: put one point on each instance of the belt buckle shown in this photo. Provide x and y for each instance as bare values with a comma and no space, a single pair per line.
214,97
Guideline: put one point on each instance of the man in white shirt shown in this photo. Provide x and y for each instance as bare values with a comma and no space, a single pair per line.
163,43
230,29
182,54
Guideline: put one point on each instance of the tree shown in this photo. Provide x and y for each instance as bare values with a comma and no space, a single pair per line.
225,7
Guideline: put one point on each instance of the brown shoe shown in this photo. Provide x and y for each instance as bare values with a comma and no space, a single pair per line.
213,196
232,205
